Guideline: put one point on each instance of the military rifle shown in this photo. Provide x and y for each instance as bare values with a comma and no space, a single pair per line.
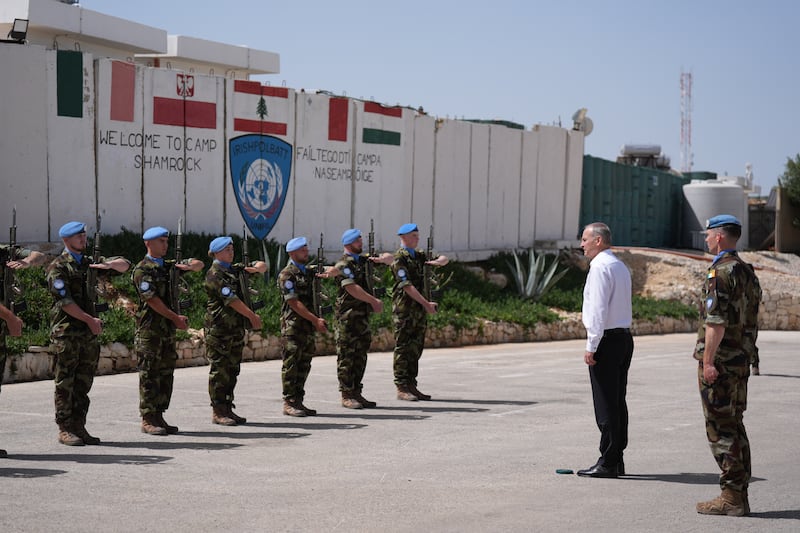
12,292
430,281
377,292
246,289
320,309
178,287
93,288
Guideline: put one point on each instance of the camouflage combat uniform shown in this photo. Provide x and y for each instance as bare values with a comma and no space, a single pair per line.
410,318
353,336
155,337
75,347
224,332
730,298
297,332
4,256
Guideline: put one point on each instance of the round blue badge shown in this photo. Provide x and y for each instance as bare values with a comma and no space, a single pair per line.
226,291
288,285
144,286
58,284
401,273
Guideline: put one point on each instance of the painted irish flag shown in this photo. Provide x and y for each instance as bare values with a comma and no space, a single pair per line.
69,80
382,125
181,99
261,109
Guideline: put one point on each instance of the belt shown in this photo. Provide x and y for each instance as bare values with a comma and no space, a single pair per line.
616,331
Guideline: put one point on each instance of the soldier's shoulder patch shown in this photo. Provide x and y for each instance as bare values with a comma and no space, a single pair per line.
225,291
712,273
709,303
401,273
144,286
348,272
288,285
58,283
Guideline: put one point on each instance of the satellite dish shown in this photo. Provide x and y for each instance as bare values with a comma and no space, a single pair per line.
581,122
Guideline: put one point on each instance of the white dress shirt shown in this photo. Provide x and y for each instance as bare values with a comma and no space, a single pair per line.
606,298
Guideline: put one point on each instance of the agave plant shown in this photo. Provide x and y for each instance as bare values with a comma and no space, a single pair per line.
533,280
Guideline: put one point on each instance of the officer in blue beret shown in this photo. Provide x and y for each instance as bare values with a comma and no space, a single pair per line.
298,323
158,316
410,309
725,348
354,305
227,319
73,332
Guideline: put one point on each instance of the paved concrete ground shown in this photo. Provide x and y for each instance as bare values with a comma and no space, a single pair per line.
481,457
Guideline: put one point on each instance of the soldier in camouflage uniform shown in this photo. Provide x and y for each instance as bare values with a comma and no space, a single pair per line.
73,333
354,304
725,348
298,323
11,324
227,317
157,318
409,311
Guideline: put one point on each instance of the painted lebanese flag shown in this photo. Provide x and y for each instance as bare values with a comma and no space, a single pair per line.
181,99
260,108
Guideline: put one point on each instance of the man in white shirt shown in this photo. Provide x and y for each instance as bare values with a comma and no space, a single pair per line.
609,346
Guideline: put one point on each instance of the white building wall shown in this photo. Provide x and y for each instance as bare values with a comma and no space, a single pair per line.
23,141
485,187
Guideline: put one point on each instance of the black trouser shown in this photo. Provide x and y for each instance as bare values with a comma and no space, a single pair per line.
609,379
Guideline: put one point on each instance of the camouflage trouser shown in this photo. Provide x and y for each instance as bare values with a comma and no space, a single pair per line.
224,354
156,357
298,349
409,340
75,366
724,404
353,338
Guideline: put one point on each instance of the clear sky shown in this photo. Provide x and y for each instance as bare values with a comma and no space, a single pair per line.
533,61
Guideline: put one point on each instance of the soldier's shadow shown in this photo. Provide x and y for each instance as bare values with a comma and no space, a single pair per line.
98,459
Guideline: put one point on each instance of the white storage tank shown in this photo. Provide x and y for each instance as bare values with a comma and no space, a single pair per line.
708,198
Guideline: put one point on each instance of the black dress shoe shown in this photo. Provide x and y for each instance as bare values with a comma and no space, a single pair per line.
620,468
598,471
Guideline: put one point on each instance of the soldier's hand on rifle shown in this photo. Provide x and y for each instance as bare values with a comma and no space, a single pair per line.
431,308
255,322
330,272
439,261
320,325
33,259
95,325
377,305
181,322
193,265
14,324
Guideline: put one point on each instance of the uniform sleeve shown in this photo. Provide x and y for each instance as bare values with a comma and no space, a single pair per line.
400,271
287,285
219,287
143,281
348,276
718,297
57,284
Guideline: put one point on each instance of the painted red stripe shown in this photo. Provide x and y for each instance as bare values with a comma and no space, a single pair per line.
178,112
253,87
372,107
337,119
123,85
250,87
259,126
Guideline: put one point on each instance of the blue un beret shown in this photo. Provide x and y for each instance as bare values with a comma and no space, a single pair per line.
71,228
155,232
219,244
350,236
407,228
722,220
296,244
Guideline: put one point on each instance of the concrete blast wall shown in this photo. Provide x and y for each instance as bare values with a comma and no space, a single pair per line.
142,146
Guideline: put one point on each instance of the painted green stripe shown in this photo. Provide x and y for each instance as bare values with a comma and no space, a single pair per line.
69,76
373,136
